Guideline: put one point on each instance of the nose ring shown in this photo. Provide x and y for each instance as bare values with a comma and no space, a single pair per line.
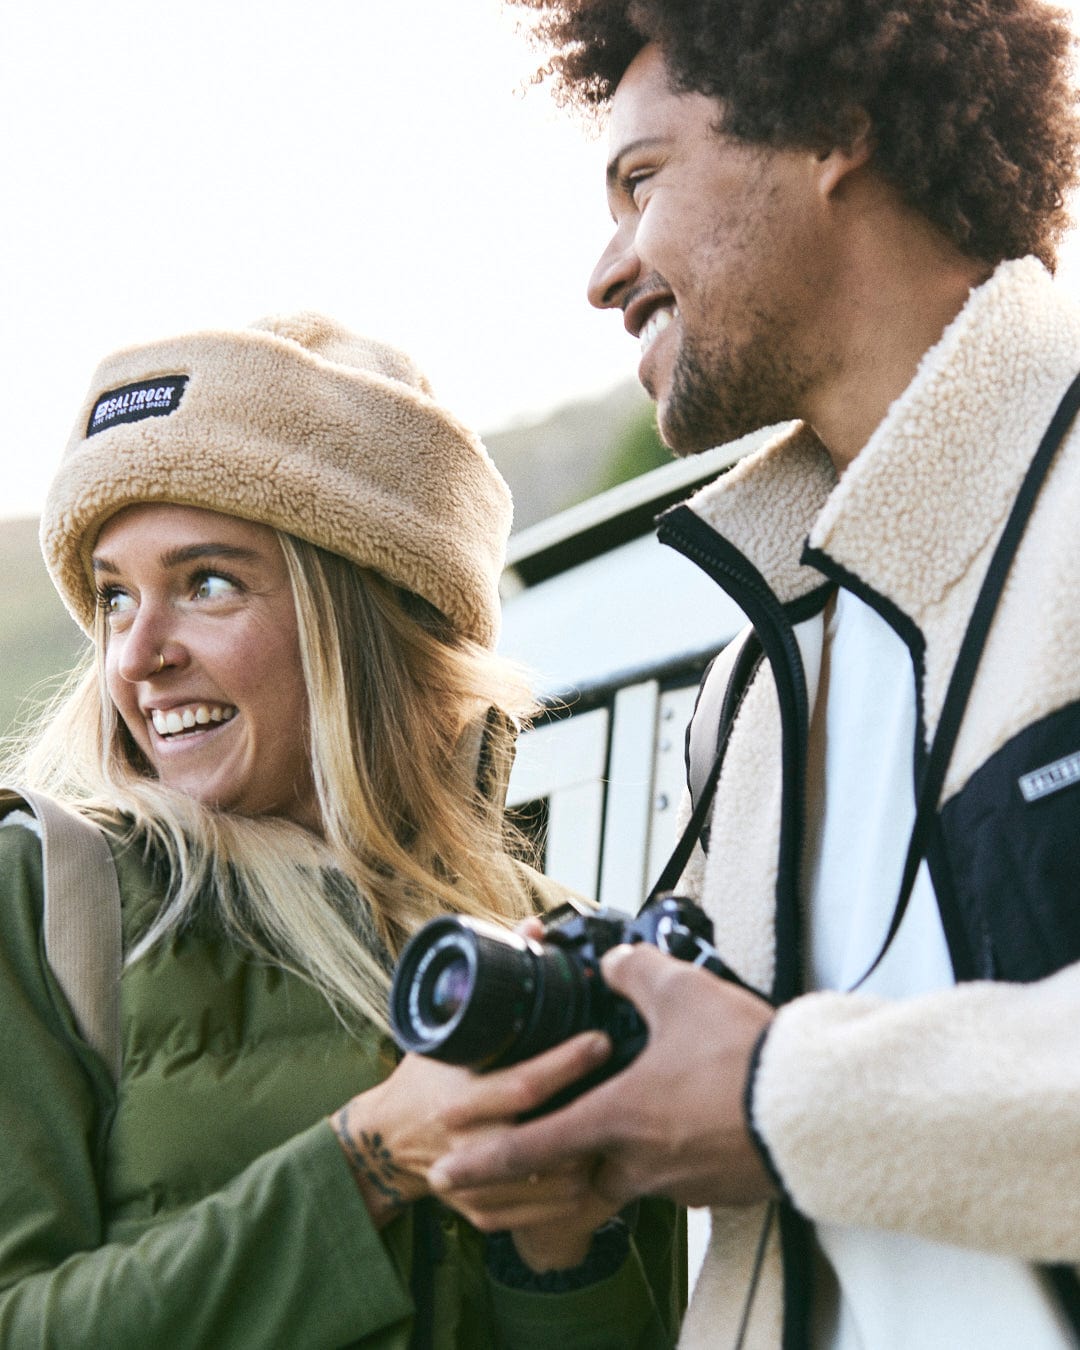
161,663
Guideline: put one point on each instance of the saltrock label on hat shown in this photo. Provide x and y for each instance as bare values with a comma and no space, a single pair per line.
149,398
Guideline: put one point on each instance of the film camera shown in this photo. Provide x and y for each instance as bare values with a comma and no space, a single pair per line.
468,992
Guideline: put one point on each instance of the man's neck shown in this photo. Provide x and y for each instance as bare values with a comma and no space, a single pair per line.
901,286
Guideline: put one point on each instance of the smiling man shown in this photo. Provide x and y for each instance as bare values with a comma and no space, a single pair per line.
843,215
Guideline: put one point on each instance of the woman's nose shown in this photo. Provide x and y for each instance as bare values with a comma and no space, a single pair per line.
146,648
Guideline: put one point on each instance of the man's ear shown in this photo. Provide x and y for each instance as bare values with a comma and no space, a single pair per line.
837,161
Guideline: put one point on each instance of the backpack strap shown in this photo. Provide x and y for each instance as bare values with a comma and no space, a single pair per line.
81,917
722,688
719,698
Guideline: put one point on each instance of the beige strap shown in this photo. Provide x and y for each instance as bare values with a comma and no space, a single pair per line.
81,918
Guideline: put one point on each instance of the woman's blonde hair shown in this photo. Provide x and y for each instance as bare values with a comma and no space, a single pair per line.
410,729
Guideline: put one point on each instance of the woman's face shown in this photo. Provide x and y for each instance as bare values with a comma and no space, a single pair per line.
202,657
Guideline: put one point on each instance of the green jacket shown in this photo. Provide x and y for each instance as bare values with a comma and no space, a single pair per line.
204,1200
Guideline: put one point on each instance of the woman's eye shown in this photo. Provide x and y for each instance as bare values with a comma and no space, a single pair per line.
213,586
114,602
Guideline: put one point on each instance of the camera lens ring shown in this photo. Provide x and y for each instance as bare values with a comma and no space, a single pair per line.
494,991
432,965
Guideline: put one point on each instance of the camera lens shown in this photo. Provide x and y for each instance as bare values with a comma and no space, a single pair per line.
468,992
446,987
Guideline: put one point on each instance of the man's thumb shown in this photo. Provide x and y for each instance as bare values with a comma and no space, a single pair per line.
636,972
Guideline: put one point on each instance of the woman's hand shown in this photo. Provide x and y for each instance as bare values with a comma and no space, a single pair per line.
393,1134
553,1212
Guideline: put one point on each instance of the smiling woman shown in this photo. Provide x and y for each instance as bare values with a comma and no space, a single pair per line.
202,659
294,734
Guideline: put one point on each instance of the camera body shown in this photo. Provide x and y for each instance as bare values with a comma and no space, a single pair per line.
468,992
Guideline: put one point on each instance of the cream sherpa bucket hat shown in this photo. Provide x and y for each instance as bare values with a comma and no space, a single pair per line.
301,425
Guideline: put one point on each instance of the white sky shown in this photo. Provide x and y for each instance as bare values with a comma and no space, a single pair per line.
171,167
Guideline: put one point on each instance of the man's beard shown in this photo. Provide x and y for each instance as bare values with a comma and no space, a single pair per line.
719,393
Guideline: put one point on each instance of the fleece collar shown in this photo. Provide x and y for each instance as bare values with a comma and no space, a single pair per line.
939,474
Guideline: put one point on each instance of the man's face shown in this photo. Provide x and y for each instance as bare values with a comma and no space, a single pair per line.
719,253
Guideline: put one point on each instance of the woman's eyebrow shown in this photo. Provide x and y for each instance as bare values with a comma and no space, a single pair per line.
186,553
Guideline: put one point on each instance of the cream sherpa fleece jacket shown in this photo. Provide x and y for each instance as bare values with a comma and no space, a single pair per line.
954,1116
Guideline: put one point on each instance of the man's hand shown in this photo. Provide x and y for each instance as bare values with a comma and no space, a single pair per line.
672,1123
393,1132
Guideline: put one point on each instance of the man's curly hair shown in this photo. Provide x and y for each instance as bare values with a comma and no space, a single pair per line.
971,102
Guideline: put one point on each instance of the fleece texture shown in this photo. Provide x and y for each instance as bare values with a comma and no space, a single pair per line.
298,424
952,1116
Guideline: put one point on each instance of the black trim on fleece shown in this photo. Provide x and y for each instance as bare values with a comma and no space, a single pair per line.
704,761
932,777
755,1134
964,964
902,625
810,605
967,953
684,530
1066,1284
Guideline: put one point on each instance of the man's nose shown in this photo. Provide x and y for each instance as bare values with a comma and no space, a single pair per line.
616,269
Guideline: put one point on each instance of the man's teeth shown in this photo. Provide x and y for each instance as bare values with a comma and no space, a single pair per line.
655,326
169,723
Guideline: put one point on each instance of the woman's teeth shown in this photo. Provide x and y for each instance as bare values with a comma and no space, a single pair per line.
172,722
655,325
